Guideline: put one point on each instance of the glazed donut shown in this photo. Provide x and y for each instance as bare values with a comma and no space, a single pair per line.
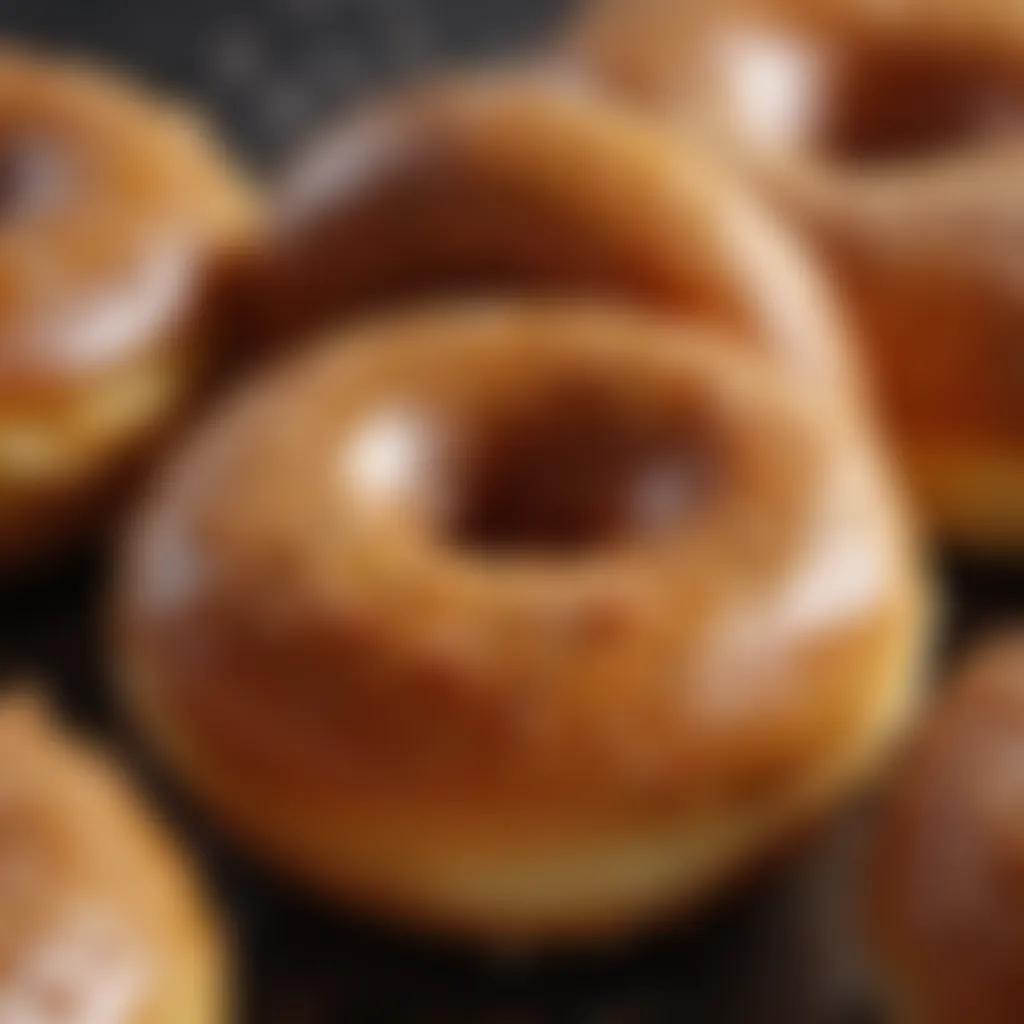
99,919
474,186
525,623
947,872
894,133
117,214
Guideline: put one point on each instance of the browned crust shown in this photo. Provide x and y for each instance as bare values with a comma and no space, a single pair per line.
463,734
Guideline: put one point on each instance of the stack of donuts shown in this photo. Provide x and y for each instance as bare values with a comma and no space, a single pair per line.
520,512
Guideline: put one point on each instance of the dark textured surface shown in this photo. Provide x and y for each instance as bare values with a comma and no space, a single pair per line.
784,953
270,70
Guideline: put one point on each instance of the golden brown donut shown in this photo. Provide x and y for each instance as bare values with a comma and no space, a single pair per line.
947,895
512,183
99,919
528,623
117,212
894,132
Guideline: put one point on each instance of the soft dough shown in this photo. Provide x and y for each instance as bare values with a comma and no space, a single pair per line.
529,623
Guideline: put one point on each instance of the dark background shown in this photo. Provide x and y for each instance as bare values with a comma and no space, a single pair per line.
268,72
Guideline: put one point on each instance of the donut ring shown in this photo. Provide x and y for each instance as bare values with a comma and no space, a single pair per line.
460,620
947,898
894,133
117,213
474,185
98,914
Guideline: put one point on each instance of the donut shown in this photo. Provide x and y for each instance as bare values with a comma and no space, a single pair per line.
473,187
526,623
946,895
892,134
100,919
118,216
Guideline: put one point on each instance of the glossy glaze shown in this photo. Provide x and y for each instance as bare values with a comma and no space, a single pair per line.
522,731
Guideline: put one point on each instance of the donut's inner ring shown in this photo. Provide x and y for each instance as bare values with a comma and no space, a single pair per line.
866,101
556,448
895,103
579,470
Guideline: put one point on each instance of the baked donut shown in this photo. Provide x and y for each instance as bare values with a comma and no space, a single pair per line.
894,133
947,872
473,186
117,214
99,919
525,623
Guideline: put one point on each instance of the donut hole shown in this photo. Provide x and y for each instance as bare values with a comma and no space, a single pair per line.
895,106
572,476
864,102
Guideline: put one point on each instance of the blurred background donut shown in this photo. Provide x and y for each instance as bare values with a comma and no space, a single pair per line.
894,134
948,863
100,917
472,187
118,214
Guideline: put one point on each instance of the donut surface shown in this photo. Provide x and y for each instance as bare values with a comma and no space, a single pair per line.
501,184
947,906
99,919
894,133
529,623
116,213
